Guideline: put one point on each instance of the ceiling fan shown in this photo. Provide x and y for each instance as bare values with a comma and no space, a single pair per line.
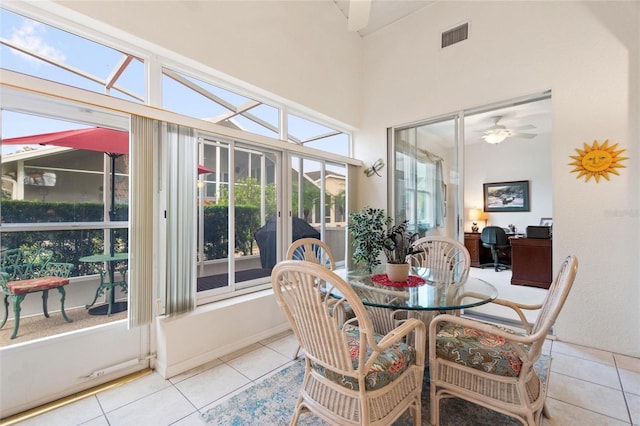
499,133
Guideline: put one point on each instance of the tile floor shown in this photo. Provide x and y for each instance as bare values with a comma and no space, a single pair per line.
587,387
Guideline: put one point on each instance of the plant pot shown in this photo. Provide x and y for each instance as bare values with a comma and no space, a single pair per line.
398,272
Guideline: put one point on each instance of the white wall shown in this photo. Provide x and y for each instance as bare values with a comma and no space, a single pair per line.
513,159
216,329
587,54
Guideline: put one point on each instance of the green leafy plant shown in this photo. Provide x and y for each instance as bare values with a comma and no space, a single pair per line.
368,229
397,242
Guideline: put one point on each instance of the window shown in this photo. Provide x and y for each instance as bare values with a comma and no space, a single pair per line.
197,98
315,135
40,50
72,201
420,186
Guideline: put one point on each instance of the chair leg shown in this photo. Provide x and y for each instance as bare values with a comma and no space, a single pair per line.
435,407
417,412
6,310
17,300
45,297
545,411
494,254
63,295
297,353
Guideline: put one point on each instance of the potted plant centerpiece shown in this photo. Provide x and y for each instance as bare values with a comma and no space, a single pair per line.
397,246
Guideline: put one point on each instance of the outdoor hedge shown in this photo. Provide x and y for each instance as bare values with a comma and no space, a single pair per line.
71,245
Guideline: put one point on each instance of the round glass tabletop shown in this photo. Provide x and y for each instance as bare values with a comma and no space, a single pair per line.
429,295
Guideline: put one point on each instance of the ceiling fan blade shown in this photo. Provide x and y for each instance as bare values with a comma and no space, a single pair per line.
525,135
358,14
525,127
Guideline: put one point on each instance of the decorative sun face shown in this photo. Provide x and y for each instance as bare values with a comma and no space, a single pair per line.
597,160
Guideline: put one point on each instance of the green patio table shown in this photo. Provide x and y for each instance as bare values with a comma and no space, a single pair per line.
109,284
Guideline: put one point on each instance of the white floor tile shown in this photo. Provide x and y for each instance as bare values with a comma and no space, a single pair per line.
630,381
161,408
633,401
212,384
191,420
627,362
583,352
563,414
286,345
73,414
258,362
98,421
590,371
600,399
121,395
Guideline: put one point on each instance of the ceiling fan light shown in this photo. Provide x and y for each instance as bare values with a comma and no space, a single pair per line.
494,137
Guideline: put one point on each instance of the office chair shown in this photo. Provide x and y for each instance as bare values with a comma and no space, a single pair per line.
496,239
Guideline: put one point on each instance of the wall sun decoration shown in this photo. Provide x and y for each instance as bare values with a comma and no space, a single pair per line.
597,161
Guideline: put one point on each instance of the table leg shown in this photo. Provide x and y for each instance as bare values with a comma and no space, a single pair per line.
99,291
111,307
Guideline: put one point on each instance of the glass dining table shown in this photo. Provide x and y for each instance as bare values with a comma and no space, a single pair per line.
422,296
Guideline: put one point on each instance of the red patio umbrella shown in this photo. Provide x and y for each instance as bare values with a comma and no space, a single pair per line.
112,142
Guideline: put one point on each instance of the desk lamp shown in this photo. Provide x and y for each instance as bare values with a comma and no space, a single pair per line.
475,215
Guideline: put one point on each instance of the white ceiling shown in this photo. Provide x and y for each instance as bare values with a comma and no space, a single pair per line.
384,12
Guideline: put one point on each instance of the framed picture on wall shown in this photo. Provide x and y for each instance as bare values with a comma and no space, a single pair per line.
506,196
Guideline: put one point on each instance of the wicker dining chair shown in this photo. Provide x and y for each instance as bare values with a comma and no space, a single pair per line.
494,366
311,250
448,259
352,375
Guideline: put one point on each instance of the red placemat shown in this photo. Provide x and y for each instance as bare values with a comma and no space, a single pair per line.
412,281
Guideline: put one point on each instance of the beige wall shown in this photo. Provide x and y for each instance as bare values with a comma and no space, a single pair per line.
587,54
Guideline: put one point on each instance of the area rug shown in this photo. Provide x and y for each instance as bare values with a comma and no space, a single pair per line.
272,400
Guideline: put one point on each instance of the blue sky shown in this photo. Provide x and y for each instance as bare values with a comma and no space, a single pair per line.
100,61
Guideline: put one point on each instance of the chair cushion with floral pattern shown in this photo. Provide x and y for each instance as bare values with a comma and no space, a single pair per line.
389,365
476,349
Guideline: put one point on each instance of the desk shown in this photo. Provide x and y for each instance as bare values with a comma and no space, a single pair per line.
531,262
112,307
479,254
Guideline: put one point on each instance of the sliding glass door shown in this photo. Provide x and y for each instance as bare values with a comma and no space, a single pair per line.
425,170
236,215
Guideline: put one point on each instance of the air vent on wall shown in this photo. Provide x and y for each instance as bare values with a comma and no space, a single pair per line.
455,35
